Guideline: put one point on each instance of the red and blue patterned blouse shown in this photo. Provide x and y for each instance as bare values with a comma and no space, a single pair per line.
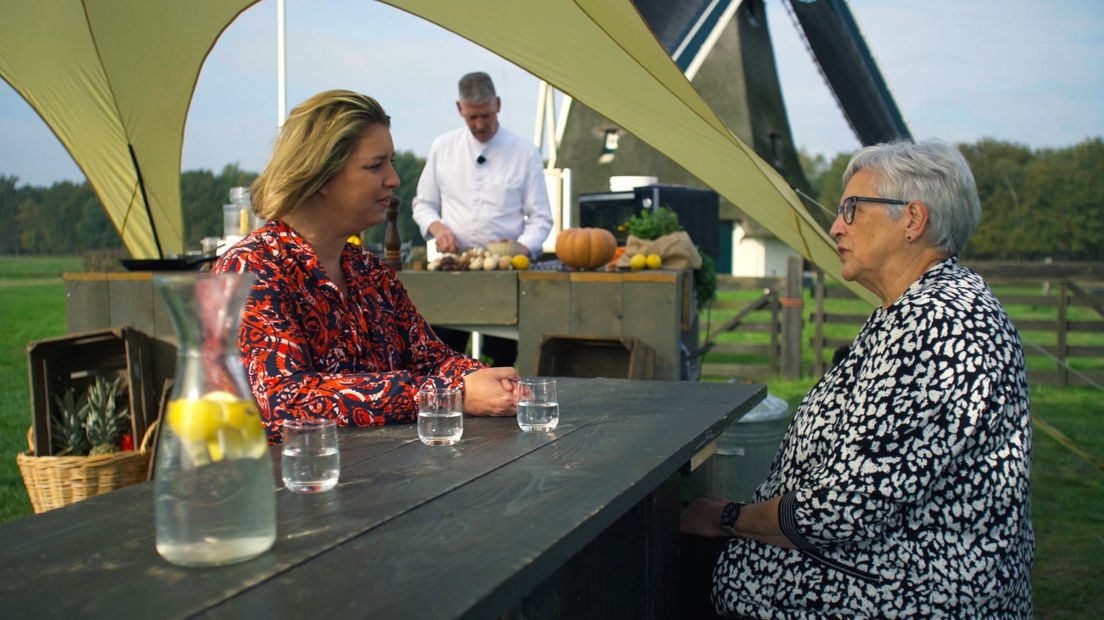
311,352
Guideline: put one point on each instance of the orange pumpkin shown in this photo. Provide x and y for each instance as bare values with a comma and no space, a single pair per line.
585,248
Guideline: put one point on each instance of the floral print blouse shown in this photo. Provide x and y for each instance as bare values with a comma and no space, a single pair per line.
310,352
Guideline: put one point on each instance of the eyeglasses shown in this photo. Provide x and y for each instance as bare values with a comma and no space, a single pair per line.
847,208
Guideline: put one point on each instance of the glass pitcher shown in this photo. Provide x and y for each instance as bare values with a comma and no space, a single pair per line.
214,494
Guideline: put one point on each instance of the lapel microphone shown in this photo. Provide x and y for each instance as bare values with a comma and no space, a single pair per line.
480,160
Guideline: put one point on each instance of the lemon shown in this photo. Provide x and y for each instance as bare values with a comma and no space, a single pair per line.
232,443
240,414
254,434
520,262
195,420
653,261
227,426
637,262
226,443
221,396
241,434
236,413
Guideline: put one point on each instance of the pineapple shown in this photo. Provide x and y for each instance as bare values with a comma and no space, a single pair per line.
105,421
67,425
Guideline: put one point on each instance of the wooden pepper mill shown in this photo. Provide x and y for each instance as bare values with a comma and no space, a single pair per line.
392,244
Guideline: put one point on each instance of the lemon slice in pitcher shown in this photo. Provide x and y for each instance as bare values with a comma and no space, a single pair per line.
241,434
194,420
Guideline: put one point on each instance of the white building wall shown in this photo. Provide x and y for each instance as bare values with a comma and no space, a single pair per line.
758,257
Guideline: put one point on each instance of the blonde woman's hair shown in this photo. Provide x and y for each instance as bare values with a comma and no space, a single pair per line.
313,146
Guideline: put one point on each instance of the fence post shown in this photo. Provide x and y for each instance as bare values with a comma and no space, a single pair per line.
818,321
793,301
775,332
1063,326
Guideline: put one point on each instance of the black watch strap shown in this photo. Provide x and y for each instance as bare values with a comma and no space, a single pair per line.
729,514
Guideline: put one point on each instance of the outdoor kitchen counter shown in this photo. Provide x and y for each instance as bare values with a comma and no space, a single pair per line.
655,307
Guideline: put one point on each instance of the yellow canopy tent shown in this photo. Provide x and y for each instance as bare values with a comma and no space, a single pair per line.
113,78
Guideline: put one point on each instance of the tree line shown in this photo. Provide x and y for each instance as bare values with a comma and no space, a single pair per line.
67,218
1036,203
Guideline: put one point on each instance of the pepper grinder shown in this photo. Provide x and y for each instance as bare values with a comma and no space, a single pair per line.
392,245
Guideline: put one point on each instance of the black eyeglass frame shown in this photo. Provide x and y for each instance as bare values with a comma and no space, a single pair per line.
847,207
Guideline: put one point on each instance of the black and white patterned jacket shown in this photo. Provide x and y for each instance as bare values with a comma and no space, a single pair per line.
905,473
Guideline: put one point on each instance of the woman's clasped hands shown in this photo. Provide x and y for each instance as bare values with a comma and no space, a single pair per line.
490,392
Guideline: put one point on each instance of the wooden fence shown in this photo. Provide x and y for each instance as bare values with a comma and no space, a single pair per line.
1062,286
743,321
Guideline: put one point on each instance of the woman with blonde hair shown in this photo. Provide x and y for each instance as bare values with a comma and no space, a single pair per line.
328,330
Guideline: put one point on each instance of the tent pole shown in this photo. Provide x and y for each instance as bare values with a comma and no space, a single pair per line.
281,63
145,199
538,127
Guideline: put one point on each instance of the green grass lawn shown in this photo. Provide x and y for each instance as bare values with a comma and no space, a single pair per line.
32,307
1067,491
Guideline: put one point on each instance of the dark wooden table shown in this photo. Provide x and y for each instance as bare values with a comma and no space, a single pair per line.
582,522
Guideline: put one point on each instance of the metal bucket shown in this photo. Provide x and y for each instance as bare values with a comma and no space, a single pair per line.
744,453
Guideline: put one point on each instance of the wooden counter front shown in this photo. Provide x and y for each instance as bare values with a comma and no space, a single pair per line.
655,307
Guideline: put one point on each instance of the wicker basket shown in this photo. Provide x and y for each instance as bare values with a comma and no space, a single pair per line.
56,481
504,248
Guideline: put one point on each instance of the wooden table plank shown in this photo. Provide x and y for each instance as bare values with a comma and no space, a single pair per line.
518,506
110,545
477,550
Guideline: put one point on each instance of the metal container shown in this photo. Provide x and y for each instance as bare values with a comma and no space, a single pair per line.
744,453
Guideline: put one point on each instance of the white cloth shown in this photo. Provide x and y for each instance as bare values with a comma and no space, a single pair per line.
502,198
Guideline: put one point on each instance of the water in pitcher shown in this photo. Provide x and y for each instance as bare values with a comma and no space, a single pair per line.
218,513
214,498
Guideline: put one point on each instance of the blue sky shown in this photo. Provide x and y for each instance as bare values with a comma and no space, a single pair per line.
1019,70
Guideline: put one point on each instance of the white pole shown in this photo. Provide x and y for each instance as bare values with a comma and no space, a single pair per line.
281,63
538,127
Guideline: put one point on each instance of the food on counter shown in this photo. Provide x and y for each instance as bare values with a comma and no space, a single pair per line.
585,248
503,248
477,259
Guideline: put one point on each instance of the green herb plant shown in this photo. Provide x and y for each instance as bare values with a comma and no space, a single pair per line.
651,225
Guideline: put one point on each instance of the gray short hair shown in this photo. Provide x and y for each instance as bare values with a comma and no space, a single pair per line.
932,172
476,87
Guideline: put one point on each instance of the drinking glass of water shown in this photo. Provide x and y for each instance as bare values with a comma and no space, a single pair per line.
537,406
440,416
310,461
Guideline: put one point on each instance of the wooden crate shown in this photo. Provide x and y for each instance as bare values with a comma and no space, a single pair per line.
588,356
57,364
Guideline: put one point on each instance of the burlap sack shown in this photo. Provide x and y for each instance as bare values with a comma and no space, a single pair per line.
676,250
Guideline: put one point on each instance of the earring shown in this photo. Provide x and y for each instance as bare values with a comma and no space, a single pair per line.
908,238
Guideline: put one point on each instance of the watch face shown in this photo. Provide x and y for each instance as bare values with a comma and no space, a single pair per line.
730,513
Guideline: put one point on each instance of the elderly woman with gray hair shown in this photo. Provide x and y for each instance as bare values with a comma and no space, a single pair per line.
902,487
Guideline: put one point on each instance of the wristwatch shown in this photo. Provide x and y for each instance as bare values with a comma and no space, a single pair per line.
729,514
